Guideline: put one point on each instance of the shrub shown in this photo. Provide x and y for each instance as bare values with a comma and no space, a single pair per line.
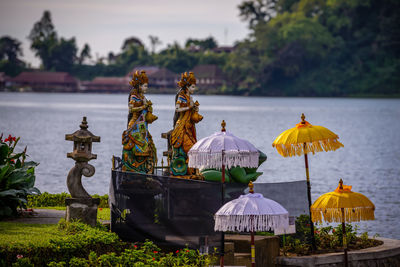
146,254
58,200
74,239
17,177
326,238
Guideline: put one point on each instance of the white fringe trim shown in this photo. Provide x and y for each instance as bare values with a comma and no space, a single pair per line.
228,158
249,223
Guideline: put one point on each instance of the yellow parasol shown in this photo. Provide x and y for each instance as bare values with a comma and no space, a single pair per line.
301,140
342,205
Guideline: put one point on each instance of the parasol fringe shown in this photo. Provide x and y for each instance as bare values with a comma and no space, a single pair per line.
350,214
290,150
249,223
230,159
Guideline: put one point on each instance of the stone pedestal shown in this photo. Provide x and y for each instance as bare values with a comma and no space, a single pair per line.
83,209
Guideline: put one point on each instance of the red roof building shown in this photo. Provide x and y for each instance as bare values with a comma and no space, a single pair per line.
209,77
107,85
163,79
42,81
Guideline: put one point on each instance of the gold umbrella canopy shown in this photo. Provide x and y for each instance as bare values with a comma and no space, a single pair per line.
342,205
306,138
301,140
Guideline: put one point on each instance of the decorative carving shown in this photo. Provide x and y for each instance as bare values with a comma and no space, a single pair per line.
81,206
74,179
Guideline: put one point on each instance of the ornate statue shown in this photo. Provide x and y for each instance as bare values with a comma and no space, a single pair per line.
139,152
183,136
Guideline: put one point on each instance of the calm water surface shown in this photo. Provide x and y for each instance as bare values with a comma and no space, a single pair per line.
368,128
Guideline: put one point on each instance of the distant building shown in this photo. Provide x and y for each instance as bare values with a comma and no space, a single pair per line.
209,78
43,81
106,85
163,79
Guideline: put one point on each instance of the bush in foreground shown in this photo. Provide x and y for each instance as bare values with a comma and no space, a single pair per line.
77,244
17,177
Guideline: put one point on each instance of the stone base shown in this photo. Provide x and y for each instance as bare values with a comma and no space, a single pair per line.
387,254
83,209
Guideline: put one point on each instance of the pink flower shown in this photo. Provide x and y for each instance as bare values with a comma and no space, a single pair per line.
19,256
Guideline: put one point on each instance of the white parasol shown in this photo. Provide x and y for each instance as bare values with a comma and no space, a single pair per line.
250,213
223,149
220,150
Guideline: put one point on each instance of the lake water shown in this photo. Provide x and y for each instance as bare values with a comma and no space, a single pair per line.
368,128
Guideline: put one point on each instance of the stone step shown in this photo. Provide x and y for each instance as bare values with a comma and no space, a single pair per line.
242,259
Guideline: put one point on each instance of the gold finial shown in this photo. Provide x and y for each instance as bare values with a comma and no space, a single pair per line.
341,183
223,124
303,118
84,124
251,186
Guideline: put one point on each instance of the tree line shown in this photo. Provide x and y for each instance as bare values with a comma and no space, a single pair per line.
295,48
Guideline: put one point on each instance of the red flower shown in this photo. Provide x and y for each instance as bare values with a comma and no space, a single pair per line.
177,251
12,161
333,230
155,251
135,246
154,259
100,208
9,139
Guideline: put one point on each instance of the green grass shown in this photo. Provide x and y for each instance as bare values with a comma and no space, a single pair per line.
49,208
102,213
21,233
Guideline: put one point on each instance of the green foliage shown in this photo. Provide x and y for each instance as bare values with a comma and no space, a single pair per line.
10,51
175,59
203,45
328,239
17,178
77,244
318,48
146,254
58,200
56,54
60,243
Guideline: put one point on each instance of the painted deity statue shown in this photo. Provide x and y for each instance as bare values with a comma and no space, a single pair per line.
183,136
139,152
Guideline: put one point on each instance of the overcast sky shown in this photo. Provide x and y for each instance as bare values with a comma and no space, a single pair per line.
105,24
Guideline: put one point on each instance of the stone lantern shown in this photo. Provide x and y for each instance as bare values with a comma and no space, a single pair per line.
81,206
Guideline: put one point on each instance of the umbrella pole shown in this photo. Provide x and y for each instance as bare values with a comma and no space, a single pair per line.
346,261
223,196
314,247
253,251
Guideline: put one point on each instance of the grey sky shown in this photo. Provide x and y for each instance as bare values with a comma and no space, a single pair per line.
105,24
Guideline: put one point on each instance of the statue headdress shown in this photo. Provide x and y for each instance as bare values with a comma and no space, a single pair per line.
187,80
139,78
